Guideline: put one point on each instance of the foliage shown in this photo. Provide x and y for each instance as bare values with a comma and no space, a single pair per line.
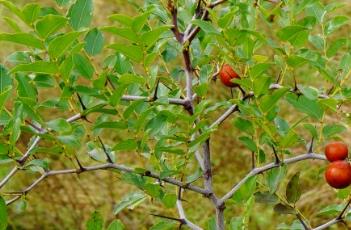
287,55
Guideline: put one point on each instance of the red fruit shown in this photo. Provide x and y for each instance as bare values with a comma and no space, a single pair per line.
336,151
227,74
338,174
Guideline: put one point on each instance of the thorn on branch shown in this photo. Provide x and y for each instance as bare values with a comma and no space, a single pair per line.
277,160
300,218
81,102
253,160
154,98
84,108
296,89
105,151
181,221
242,91
81,167
310,149
179,193
341,215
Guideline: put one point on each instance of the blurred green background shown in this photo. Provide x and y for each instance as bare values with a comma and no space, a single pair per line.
66,201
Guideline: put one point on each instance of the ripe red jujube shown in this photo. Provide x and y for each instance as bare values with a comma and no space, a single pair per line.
336,151
338,174
226,74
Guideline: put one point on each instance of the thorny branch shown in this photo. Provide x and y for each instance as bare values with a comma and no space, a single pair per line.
106,166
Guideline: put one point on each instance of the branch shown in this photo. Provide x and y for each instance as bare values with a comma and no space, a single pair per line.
175,101
106,166
25,156
8,176
235,107
182,215
328,224
267,167
175,29
216,3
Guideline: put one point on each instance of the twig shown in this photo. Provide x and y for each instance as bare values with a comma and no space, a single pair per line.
107,166
267,167
182,215
25,156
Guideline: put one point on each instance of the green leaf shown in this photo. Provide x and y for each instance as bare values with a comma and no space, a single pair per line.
284,209
266,198
274,177
331,210
164,225
206,26
236,223
38,165
269,101
261,85
111,125
169,200
127,79
23,39
305,105
139,21
317,41
312,129
30,12
94,42
289,140
244,125
5,80
63,2
331,130
296,35
335,23
126,33
335,46
259,69
149,38
116,225
245,191
249,143
131,51
60,44
3,214
126,145
309,92
50,24
13,8
26,89
282,126
123,19
80,14
40,67
4,96
293,190
95,222
66,68
131,200
60,125
83,66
